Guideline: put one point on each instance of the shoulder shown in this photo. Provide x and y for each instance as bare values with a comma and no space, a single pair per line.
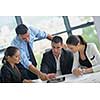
48,52
32,29
15,41
67,54
91,45
15,38
67,51
4,68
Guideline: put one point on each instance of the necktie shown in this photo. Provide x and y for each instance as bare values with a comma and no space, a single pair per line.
31,54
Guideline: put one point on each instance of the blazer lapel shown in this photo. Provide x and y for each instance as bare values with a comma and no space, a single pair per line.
62,61
53,61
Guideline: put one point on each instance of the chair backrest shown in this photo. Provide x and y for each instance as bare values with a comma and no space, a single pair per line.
46,50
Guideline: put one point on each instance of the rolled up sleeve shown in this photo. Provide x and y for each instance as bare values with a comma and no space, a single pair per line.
24,60
38,33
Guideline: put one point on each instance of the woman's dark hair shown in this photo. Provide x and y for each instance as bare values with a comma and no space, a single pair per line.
10,51
75,39
57,39
21,29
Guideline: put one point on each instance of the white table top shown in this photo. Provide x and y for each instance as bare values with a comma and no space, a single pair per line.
70,78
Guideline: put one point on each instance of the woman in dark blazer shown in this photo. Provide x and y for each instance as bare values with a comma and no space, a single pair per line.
12,70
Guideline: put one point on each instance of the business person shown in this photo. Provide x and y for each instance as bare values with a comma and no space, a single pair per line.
57,61
12,71
24,41
86,55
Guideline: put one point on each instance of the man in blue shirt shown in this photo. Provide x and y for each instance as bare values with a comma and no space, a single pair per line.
27,35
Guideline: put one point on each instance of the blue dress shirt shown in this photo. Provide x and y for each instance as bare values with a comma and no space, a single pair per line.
22,45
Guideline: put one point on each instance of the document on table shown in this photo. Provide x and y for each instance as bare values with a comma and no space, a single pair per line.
70,78
87,78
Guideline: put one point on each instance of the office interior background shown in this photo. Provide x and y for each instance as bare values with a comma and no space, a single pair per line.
56,25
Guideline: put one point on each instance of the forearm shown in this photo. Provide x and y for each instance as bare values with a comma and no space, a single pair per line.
49,37
87,70
41,75
96,68
34,70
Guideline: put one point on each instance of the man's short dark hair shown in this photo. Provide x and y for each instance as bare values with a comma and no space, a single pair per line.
57,39
21,29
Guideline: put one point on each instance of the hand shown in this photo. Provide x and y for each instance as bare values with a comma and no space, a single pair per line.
87,70
51,75
27,81
43,76
64,46
77,72
49,37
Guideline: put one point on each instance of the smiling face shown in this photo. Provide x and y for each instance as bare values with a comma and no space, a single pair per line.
25,37
56,48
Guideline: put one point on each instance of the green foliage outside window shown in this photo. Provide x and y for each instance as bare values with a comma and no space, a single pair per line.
90,35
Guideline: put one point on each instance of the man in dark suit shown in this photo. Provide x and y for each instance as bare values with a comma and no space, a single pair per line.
57,61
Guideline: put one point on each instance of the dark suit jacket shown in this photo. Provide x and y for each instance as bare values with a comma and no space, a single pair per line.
48,64
8,75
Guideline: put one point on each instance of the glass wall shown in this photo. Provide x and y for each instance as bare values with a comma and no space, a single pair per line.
78,20
49,24
7,26
89,33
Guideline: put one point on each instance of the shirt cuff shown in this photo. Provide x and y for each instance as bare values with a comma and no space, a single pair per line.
96,68
28,64
46,34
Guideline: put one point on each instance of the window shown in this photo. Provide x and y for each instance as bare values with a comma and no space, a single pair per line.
78,20
7,26
49,24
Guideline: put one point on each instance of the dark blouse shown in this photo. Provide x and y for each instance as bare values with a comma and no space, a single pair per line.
12,75
85,62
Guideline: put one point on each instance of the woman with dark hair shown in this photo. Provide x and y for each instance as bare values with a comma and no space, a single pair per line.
86,55
10,71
